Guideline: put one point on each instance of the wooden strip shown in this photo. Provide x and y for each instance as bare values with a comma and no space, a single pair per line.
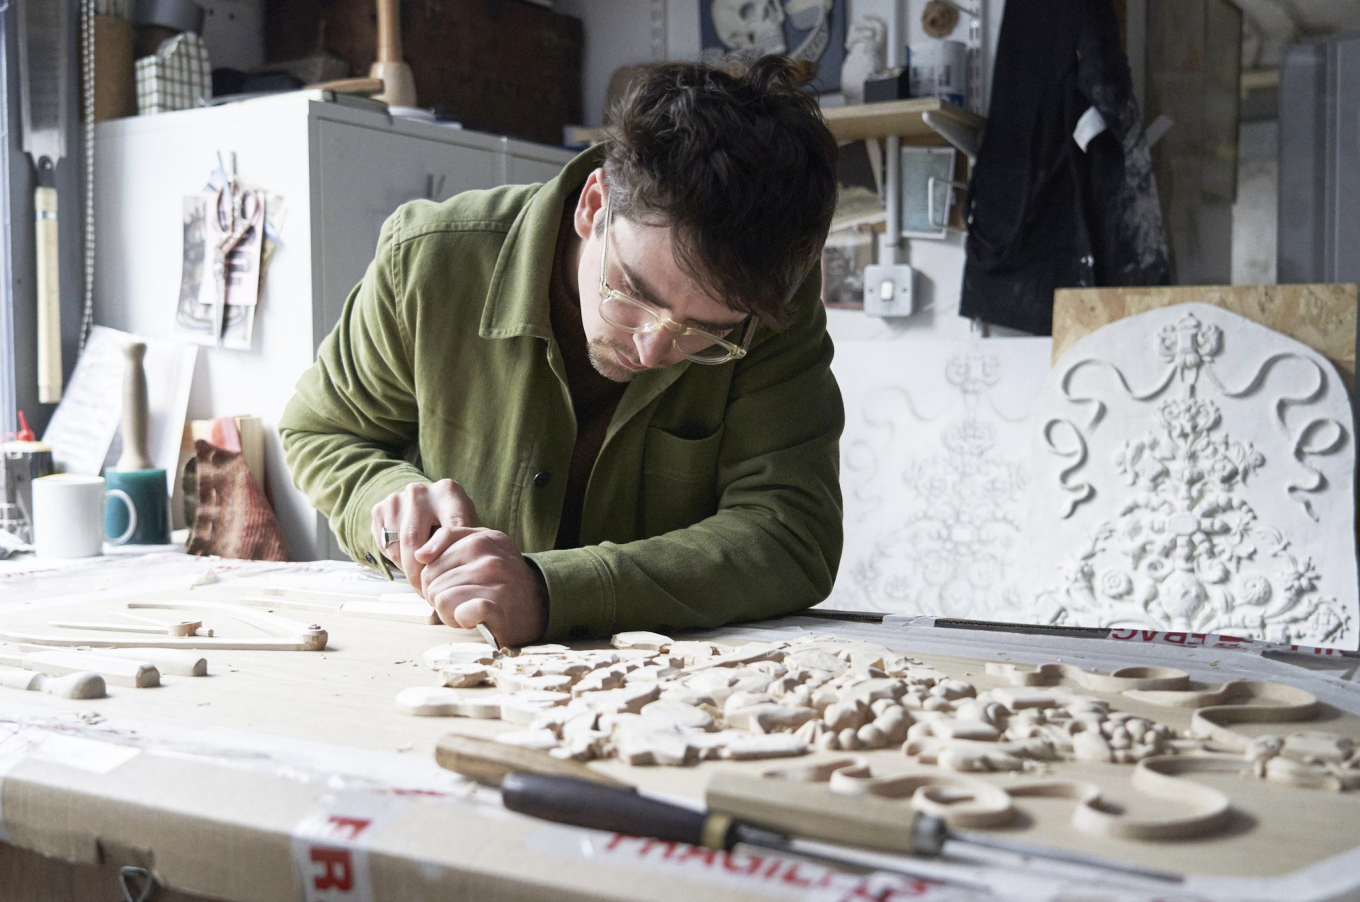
487,762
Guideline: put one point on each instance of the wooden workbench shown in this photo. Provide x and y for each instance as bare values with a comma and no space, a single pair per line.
213,776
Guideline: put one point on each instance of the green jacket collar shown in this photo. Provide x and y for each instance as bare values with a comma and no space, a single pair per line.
517,300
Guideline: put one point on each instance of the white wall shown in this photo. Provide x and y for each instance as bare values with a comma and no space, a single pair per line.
144,166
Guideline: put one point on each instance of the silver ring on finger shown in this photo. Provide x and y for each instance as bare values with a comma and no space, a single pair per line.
389,536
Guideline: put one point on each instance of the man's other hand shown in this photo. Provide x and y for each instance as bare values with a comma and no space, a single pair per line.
473,576
414,514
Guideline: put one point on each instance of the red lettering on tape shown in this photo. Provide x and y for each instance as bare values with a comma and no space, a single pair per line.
337,869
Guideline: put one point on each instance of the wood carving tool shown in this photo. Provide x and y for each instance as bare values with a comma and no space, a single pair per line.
43,81
116,670
76,685
813,812
583,803
487,762
485,632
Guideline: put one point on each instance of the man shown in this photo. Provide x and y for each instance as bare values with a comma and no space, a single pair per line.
603,403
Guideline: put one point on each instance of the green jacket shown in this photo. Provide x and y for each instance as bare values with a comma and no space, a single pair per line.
715,496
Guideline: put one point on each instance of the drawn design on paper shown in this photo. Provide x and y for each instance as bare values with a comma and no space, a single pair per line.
1198,528
945,518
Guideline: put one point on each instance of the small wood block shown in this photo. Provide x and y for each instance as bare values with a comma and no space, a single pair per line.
774,745
455,653
629,699
544,650
601,680
1017,697
536,740
641,639
465,676
677,714
515,682
437,701
524,707
655,745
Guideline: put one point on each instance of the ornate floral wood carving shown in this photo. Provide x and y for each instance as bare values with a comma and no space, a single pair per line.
1195,471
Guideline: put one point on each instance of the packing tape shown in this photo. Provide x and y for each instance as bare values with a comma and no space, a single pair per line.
330,845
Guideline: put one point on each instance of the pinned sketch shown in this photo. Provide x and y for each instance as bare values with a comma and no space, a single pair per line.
934,470
1194,470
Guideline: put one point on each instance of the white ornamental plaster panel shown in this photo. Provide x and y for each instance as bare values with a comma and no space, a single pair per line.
1194,470
934,474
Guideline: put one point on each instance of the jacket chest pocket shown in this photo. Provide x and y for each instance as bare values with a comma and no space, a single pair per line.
679,480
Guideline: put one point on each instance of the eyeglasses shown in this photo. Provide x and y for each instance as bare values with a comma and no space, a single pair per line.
640,317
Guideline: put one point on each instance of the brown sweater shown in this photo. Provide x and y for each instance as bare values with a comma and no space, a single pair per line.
593,397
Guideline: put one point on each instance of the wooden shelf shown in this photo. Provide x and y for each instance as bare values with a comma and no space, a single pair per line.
910,120
904,118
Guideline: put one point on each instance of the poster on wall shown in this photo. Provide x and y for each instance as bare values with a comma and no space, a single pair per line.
802,29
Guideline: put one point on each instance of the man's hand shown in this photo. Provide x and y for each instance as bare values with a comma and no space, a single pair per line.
414,513
474,576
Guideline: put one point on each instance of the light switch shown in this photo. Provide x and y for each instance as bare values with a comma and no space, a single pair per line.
888,290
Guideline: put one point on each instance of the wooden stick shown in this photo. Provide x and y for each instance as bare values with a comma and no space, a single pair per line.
173,661
487,762
76,685
119,671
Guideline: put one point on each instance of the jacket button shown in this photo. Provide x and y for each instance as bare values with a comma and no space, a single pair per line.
368,556
542,478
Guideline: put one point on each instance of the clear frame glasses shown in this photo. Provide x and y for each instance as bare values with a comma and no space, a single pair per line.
635,316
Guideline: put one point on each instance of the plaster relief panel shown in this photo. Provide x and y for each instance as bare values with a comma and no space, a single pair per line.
1194,470
934,470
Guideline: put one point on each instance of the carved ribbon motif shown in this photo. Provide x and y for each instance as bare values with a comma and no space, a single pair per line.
1186,549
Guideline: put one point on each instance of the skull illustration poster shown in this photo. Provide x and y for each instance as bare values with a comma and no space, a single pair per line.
802,29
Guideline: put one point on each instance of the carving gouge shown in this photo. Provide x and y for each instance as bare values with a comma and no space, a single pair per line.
811,811
568,800
582,803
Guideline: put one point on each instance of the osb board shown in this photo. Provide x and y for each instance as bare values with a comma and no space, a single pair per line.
1321,316
344,696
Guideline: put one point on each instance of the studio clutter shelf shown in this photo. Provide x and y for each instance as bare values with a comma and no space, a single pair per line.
921,120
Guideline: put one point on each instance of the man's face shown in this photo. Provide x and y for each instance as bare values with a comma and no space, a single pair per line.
642,265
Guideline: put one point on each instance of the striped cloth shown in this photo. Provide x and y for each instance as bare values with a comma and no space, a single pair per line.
176,77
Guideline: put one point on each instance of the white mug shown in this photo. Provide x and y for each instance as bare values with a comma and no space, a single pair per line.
68,515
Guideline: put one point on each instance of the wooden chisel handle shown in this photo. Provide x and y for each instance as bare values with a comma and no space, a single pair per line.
49,295
810,811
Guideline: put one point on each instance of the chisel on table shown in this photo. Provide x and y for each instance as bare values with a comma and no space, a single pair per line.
568,800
